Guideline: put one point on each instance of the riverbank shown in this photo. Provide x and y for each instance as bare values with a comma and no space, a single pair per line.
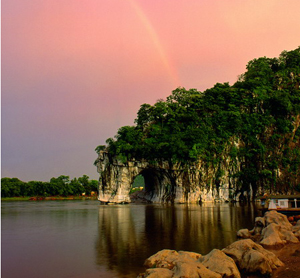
290,256
53,198
270,249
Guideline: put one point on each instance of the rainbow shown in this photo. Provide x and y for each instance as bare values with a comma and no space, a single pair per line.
153,34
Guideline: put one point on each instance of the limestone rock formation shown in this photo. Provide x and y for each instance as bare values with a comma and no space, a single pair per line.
166,181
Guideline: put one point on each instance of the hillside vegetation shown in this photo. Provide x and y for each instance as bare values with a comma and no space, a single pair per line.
254,124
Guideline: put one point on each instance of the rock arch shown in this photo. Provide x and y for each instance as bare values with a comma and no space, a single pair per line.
164,182
116,179
160,186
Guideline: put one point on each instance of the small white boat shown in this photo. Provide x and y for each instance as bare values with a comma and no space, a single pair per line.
286,204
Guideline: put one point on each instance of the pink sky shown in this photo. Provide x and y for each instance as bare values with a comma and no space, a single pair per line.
75,71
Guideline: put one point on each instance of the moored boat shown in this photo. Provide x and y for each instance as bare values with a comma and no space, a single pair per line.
286,204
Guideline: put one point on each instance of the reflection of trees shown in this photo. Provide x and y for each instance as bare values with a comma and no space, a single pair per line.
193,227
119,245
130,234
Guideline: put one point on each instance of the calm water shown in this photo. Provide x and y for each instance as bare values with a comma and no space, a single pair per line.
85,239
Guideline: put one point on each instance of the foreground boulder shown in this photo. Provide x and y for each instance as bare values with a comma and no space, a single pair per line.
277,235
157,273
271,236
193,270
218,262
251,257
170,263
188,264
243,255
167,258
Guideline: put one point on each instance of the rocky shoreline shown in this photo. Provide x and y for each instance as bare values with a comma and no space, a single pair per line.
270,249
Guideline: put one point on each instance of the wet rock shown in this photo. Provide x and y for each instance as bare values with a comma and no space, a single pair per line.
252,257
218,262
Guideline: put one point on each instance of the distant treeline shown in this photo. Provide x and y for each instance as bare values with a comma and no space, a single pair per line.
61,186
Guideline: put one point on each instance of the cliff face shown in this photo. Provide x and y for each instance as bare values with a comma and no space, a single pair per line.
166,182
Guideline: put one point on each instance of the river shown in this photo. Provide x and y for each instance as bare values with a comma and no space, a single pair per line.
86,239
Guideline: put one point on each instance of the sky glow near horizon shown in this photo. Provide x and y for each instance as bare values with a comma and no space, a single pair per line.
73,72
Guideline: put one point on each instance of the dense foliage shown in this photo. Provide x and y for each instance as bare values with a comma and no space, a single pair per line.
61,186
255,122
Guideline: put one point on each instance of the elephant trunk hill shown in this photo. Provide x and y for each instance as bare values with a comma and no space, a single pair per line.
226,143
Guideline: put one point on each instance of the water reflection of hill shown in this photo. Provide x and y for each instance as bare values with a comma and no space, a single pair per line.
128,234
